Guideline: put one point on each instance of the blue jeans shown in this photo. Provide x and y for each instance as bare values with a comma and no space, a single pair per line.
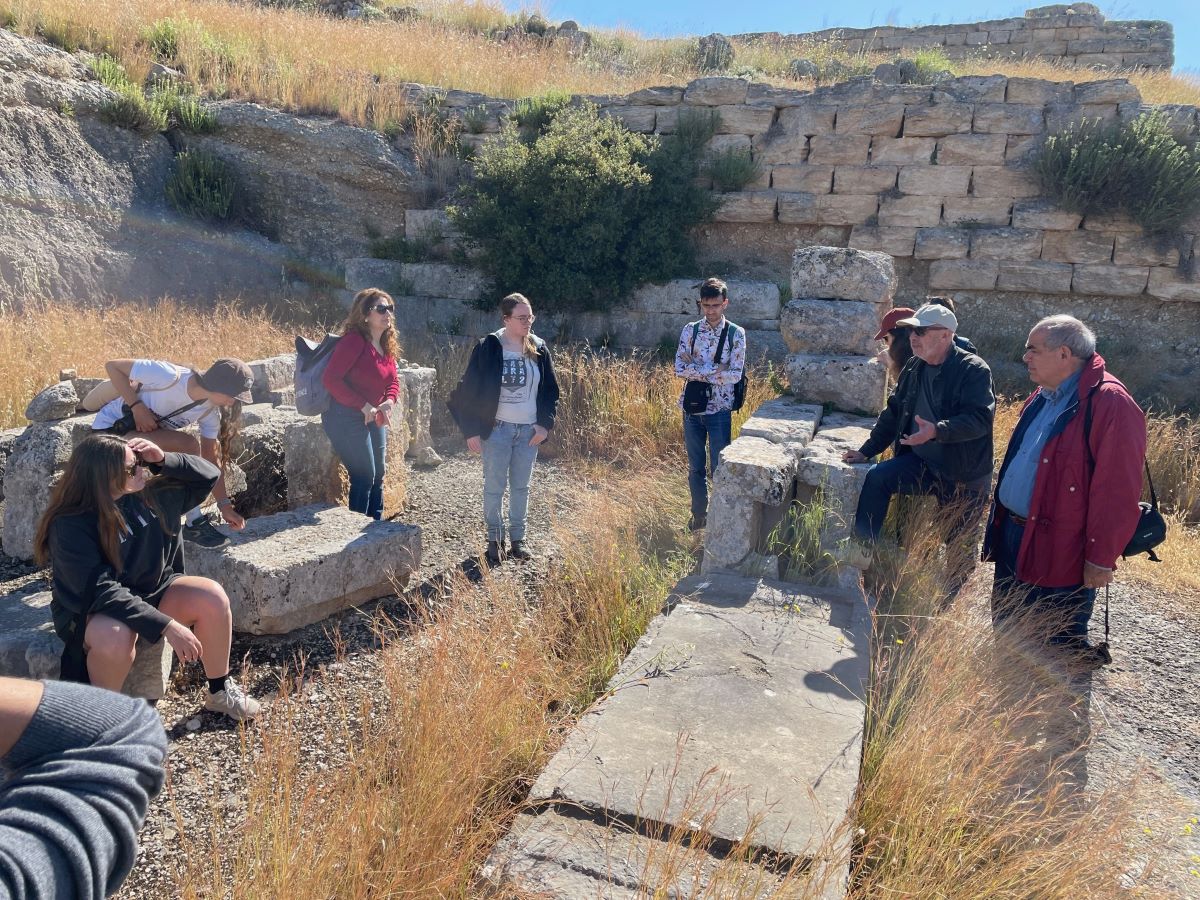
507,462
360,448
716,430
1067,609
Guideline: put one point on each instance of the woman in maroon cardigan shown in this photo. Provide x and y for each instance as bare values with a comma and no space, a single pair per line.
363,387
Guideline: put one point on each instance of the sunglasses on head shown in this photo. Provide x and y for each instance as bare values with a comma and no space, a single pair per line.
382,308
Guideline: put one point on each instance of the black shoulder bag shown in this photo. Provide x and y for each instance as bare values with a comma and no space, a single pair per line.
127,423
696,394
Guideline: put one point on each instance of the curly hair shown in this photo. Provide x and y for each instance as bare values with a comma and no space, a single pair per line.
356,320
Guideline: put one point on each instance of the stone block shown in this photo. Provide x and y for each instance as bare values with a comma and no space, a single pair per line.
1110,281
971,89
1008,118
914,212
657,96
827,209
1168,284
272,375
1006,243
748,300
820,469
58,401
724,143
1035,276
783,420
941,243
937,119
863,179
806,179
1117,222
807,119
765,344
1064,117
873,118
1021,149
902,151
1043,214
848,383
963,274
8,437
443,280
1113,90
745,119
666,120
1077,246
29,648
839,149
1038,92
753,473
935,181
746,206
835,273
419,383
831,326
294,568
894,241
1004,181
971,149
976,210
385,274
634,118
427,224
1134,250
715,91
312,469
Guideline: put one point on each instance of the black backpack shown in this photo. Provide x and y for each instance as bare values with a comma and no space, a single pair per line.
739,389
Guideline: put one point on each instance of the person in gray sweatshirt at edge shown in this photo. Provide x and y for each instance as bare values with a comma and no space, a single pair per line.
79,767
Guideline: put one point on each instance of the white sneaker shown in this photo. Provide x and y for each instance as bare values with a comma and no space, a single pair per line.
232,702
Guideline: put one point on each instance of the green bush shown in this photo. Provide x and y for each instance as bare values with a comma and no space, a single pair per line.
202,186
131,109
162,38
110,72
1138,168
533,114
733,168
586,211
931,62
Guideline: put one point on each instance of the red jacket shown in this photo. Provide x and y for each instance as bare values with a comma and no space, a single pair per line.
1079,512
358,374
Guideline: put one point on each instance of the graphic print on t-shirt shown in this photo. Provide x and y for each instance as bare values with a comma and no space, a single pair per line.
514,379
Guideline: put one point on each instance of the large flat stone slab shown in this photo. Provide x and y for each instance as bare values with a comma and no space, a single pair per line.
820,470
749,690
783,420
29,648
297,567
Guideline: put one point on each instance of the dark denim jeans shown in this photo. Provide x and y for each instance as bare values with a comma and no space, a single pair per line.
715,429
360,448
1067,609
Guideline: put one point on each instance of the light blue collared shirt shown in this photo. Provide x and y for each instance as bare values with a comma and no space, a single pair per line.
1016,488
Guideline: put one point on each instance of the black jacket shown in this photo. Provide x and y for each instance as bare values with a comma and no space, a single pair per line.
84,582
474,402
965,408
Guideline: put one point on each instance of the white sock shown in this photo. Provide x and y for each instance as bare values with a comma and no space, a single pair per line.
191,516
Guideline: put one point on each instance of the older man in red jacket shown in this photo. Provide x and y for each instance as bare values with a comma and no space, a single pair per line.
1066,499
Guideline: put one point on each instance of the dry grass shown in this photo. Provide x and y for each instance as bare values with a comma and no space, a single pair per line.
39,339
356,70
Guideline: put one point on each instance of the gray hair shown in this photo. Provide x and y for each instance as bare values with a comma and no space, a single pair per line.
1069,332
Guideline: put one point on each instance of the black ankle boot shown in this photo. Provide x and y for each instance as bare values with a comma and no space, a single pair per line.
494,554
518,552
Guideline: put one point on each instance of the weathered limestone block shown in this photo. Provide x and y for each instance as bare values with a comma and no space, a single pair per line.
634,118
837,273
1133,250
893,240
722,143
971,150
29,648
747,299
976,210
831,326
657,96
1035,276
1114,90
902,151
8,437
807,179
873,118
1078,246
294,568
827,209
1004,181
963,274
753,473
1022,148
937,120
808,118
1110,281
839,149
365,272
1116,222
272,376
972,88
716,91
311,468
941,243
820,469
747,206
863,179
426,224
1037,92
935,181
1009,118
58,401
912,212
1043,214
848,383
1168,284
419,381
444,280
745,118
783,420
1006,243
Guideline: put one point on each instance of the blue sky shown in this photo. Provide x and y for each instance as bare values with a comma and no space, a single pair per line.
666,18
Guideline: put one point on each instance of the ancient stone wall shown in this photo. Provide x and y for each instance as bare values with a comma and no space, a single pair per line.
1078,33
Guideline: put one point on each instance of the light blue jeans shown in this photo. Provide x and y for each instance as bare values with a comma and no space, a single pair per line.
507,462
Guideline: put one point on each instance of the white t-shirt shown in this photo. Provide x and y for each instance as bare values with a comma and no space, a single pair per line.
519,379
164,390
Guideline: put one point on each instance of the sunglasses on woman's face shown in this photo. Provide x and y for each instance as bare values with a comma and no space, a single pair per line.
383,308
132,469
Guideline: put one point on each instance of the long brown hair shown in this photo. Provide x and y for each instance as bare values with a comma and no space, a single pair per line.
356,320
95,471
899,350
510,303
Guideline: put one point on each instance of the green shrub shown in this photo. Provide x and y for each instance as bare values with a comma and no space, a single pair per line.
110,72
533,114
191,115
587,210
1138,168
131,109
475,119
202,186
162,39
931,62
733,168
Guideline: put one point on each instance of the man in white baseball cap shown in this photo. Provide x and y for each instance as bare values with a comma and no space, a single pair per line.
938,422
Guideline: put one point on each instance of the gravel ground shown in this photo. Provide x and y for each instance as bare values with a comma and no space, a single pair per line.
1145,711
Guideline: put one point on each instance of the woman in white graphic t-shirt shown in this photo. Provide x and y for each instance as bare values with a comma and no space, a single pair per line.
163,398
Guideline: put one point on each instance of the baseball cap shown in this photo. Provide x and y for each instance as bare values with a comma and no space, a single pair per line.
931,315
889,321
229,376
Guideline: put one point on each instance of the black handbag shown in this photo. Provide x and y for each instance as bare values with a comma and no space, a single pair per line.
696,395
127,423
